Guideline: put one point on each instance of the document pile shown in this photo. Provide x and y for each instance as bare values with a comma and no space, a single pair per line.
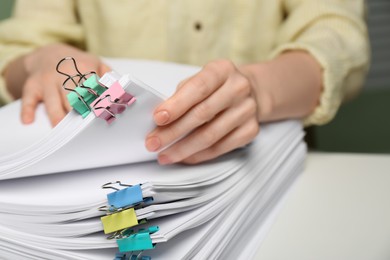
88,188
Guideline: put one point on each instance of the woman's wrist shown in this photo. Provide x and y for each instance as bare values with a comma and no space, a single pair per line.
261,80
286,87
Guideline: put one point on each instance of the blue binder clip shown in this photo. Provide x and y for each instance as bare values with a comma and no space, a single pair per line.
123,198
137,241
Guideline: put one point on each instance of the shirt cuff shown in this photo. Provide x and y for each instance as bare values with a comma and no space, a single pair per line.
331,95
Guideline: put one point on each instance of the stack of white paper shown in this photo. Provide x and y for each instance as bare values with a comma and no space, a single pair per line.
216,210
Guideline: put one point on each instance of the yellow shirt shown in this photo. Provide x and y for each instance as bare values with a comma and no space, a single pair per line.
198,31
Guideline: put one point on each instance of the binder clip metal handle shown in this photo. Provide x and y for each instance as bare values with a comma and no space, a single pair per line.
110,185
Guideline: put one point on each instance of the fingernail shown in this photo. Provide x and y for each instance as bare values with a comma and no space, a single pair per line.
153,144
161,117
27,119
164,160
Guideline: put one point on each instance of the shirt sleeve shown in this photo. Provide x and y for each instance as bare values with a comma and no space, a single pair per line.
335,34
34,24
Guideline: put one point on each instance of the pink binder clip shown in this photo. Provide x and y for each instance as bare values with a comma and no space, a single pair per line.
113,101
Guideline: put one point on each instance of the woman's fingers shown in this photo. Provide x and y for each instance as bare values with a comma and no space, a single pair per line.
211,133
211,113
31,96
46,89
234,91
53,101
237,138
195,90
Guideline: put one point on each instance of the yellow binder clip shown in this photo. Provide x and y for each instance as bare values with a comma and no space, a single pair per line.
121,220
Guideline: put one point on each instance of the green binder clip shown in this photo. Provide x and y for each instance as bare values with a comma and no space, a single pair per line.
81,97
137,241
85,90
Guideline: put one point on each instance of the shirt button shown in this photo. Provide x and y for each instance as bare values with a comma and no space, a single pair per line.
198,26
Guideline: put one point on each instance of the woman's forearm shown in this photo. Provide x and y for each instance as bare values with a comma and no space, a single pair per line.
287,87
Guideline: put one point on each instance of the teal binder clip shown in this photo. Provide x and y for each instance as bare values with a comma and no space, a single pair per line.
124,256
122,198
144,257
137,241
121,256
84,90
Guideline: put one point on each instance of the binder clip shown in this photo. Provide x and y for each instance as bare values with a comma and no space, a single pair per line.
112,102
120,220
131,256
86,88
121,256
124,198
139,241
119,234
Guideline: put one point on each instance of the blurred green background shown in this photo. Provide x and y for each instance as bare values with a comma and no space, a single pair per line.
5,8
362,125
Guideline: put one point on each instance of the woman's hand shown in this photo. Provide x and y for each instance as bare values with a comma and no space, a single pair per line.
210,114
219,109
42,83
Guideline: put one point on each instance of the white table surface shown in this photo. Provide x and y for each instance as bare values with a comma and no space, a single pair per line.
338,209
